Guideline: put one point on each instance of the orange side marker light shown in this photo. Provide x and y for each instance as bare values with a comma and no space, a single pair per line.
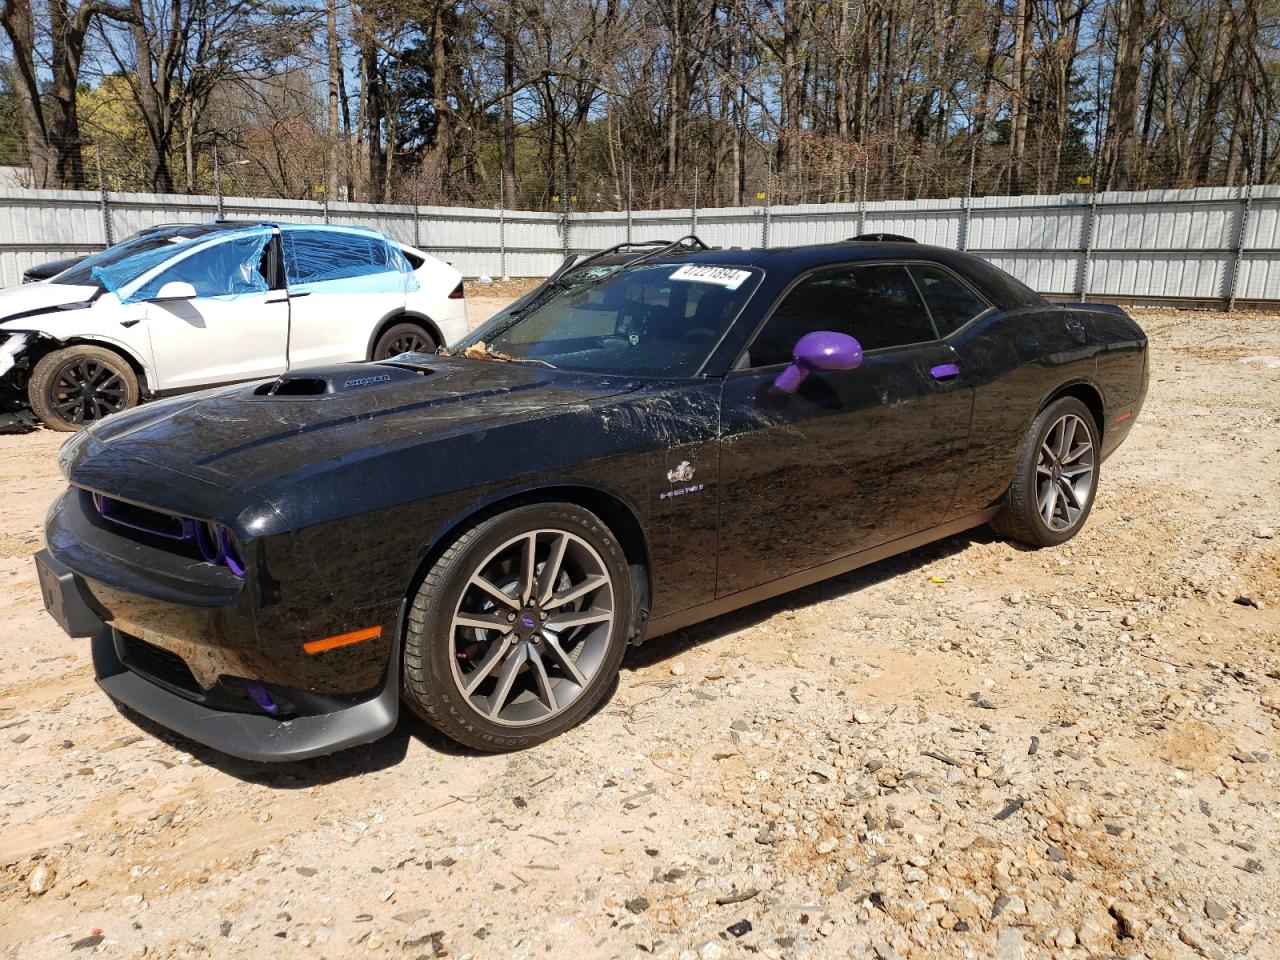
341,640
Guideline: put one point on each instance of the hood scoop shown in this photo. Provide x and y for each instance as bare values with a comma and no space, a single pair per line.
341,379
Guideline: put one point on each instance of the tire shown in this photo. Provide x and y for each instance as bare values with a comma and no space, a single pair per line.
1048,503
403,338
453,671
74,387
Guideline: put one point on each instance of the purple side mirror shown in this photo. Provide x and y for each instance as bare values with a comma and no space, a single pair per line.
821,350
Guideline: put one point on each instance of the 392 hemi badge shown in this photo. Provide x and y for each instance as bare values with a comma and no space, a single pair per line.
682,473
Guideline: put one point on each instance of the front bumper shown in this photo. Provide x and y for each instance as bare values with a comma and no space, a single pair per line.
250,736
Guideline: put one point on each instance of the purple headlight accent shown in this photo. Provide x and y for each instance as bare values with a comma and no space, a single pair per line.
209,540
820,350
259,695
944,371
230,552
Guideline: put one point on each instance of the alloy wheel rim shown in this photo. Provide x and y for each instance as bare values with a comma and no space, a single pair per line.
531,629
1065,473
87,390
406,343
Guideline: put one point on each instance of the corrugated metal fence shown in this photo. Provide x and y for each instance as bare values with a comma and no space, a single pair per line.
1212,244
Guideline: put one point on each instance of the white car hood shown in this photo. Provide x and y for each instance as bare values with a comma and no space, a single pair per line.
22,300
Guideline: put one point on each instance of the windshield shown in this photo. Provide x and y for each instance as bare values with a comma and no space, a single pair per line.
82,273
661,320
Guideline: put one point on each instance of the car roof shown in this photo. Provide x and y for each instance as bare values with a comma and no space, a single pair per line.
816,255
214,226
791,261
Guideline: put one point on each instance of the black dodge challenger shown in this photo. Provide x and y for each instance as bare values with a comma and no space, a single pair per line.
655,437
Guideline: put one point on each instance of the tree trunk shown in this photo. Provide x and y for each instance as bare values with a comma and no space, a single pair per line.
19,26
154,101
1018,93
334,163
509,108
1122,135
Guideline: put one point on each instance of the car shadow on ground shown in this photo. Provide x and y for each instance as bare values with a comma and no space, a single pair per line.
391,750
382,754
673,644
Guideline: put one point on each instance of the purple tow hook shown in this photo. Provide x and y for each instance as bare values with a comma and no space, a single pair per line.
945,371
259,695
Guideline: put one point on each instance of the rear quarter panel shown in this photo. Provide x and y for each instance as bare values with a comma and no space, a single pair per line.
1017,359
1122,371
436,280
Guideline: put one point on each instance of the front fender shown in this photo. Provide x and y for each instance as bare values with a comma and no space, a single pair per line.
53,331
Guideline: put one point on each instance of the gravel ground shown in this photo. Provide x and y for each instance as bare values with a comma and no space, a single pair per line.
974,750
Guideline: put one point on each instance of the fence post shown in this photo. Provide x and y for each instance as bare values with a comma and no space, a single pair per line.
630,171
694,210
417,231
502,225
768,212
1087,270
104,202
217,181
862,201
966,204
564,215
1245,209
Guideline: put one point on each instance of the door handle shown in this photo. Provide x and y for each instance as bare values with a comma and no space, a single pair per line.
945,371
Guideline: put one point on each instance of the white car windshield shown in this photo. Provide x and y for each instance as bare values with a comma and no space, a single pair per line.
176,237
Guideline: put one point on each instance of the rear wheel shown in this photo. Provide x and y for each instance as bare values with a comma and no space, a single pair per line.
403,338
72,388
1057,477
519,628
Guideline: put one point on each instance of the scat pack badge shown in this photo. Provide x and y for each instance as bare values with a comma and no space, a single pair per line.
682,473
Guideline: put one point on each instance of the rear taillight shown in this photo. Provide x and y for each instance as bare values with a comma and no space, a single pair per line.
458,292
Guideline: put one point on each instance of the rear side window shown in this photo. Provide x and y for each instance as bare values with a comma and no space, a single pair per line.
341,260
877,303
950,301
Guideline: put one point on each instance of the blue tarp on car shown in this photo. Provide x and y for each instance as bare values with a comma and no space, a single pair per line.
222,265
344,261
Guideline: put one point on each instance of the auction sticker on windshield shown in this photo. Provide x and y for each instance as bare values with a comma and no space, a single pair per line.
700,273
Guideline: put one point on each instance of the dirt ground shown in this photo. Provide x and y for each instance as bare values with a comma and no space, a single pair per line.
974,750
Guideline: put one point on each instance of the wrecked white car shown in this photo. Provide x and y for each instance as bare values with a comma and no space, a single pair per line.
180,308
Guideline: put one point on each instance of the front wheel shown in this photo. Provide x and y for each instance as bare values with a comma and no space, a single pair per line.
519,628
74,387
1057,477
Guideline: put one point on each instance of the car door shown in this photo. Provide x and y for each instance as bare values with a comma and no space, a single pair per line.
234,328
854,458
342,284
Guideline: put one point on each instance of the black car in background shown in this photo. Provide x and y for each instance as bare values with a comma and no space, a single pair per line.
50,268
272,568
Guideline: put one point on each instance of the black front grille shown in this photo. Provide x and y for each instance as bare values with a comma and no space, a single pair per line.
160,666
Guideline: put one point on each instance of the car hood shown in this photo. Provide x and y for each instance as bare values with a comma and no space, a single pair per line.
34,298
265,438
